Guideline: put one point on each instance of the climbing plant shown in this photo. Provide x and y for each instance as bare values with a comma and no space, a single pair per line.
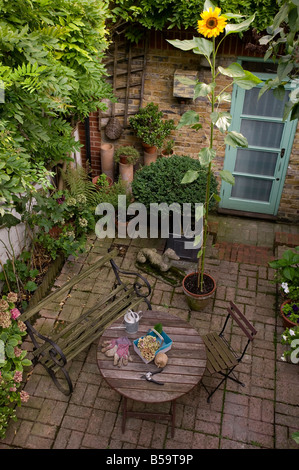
51,75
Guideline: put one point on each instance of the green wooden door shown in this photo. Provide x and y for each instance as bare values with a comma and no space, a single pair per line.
260,169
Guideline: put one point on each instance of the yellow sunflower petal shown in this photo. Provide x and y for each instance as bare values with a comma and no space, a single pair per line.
211,24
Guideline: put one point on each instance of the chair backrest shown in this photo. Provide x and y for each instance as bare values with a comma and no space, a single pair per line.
240,319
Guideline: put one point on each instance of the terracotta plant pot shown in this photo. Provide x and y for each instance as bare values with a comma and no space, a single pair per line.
149,148
126,172
149,158
165,153
107,162
198,301
110,181
286,322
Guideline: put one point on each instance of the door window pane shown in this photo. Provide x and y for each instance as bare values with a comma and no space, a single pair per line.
254,189
266,105
255,162
262,133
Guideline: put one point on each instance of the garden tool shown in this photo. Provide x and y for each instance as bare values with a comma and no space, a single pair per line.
149,376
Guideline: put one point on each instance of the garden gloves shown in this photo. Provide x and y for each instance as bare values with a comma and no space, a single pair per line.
118,349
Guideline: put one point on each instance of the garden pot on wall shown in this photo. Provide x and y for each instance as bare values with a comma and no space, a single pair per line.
286,322
149,158
195,300
107,162
149,148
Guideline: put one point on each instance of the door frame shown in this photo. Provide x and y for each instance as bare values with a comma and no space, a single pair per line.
292,125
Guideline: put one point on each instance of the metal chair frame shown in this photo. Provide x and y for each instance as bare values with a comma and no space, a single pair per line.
212,340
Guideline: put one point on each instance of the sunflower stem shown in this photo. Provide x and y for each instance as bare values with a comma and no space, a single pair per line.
201,264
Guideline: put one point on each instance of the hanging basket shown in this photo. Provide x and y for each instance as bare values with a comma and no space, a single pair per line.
114,129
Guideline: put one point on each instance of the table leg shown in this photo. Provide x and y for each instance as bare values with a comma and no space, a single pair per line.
173,404
124,414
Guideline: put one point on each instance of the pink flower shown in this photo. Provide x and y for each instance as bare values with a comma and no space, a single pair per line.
24,396
13,389
17,351
18,376
15,313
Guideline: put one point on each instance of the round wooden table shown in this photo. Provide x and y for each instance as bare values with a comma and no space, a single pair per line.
184,370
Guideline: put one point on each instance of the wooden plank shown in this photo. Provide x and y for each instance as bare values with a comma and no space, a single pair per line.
83,334
97,332
55,295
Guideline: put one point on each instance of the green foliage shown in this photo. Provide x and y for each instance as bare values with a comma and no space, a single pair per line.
12,360
161,182
182,14
78,184
51,67
131,153
283,34
290,338
149,126
119,188
62,221
287,272
291,311
19,271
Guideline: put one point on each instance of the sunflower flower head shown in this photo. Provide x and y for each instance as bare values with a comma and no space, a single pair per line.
212,24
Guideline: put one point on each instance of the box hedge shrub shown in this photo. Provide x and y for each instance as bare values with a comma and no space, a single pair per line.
161,182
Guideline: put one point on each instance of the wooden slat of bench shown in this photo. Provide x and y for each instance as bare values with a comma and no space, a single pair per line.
218,354
55,295
68,328
80,331
73,353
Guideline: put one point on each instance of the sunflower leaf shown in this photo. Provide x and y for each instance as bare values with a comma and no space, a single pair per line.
237,28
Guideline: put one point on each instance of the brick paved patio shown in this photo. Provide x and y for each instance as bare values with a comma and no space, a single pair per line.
263,414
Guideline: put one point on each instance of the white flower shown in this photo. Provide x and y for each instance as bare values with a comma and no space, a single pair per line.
83,222
292,332
285,287
284,337
283,358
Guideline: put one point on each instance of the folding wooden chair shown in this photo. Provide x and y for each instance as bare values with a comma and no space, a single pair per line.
221,357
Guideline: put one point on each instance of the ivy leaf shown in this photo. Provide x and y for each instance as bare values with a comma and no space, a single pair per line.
189,118
235,139
190,176
227,177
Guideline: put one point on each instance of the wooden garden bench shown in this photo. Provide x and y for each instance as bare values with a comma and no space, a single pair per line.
54,353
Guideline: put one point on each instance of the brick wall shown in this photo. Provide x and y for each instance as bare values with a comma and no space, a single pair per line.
95,143
162,61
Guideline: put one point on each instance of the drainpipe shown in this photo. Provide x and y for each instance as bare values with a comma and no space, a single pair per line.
87,142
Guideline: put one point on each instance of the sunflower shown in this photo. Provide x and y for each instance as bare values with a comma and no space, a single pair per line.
211,24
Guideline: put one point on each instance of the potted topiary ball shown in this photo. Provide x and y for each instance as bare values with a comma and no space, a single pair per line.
149,126
126,157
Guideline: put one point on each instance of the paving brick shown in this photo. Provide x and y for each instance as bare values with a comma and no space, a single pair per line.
236,418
